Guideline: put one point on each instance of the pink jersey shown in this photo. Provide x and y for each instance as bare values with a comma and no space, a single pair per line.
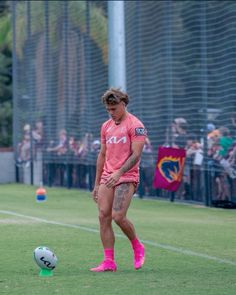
118,139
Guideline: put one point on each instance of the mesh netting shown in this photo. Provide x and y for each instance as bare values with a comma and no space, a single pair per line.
180,69
181,75
60,75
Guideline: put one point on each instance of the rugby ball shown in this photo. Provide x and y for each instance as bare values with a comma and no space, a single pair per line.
45,258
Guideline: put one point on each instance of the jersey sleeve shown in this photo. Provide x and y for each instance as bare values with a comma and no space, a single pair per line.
138,132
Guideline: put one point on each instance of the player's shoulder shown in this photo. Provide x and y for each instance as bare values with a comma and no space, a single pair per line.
106,124
136,126
134,121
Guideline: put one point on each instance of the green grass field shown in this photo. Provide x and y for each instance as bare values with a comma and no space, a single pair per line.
190,249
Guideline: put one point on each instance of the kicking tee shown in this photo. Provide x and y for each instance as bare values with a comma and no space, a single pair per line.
118,140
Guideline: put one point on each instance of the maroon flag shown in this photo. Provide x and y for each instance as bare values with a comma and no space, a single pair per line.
169,168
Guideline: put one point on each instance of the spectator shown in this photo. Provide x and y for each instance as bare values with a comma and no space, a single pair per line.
232,154
84,146
83,154
56,170
73,145
38,132
192,172
61,147
181,133
233,123
24,147
222,151
225,141
213,135
194,150
223,169
147,167
173,130
38,138
95,149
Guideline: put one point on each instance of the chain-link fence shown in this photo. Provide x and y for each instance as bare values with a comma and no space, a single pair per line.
180,68
60,73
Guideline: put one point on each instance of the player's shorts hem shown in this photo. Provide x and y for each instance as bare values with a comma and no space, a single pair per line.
135,183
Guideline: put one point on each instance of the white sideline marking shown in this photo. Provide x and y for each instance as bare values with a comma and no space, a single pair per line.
88,229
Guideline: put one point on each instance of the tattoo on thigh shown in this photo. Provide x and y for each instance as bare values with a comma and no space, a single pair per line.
120,195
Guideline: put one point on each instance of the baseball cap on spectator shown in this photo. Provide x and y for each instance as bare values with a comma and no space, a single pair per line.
210,127
27,127
95,142
180,121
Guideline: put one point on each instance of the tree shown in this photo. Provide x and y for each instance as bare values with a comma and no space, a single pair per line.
5,75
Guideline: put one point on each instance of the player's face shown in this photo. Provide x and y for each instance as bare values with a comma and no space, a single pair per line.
116,111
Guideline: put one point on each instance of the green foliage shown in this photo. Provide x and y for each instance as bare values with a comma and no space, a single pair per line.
5,75
98,23
5,31
76,14
6,124
78,247
4,7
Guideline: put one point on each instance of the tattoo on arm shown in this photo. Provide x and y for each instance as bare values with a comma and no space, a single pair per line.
120,194
132,160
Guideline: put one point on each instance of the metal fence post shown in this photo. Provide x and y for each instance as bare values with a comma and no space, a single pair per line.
169,82
30,90
14,85
117,62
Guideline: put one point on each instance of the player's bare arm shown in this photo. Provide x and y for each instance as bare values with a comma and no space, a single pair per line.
99,169
136,151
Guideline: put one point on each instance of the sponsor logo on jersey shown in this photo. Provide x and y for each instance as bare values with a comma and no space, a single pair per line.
115,139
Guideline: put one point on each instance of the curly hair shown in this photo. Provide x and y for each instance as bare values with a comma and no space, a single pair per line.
114,96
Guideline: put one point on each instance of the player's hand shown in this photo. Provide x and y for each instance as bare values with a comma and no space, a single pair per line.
95,193
113,179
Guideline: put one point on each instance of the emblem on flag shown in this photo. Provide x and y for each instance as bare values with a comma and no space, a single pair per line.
169,168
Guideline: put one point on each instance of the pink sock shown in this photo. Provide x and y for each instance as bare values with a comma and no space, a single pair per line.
135,243
109,254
